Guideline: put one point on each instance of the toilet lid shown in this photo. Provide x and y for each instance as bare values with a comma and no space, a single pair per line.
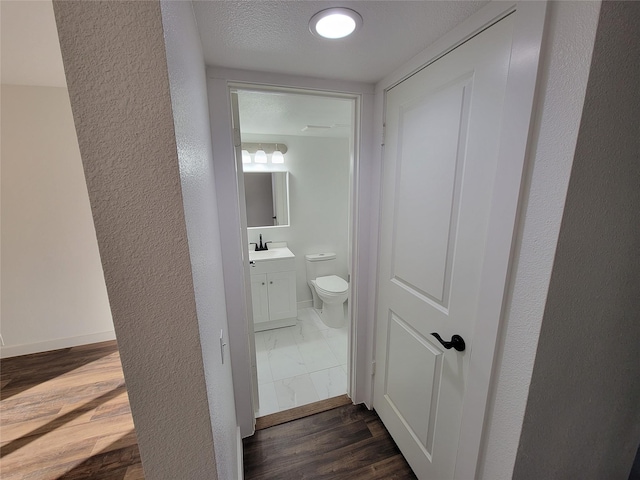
332,283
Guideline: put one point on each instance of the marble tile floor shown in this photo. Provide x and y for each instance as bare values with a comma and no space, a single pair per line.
301,364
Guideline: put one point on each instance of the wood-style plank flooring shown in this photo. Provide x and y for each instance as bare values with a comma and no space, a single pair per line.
65,414
347,442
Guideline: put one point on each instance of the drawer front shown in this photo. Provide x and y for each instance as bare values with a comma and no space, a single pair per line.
272,266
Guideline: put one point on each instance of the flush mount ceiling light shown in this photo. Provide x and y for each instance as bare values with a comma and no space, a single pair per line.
335,22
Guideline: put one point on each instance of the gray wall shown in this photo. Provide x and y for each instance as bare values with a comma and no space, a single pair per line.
116,68
583,417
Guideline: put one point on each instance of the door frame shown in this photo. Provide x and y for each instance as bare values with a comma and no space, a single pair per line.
529,21
234,87
219,82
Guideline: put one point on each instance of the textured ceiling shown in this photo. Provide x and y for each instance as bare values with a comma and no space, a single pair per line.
273,36
288,114
262,35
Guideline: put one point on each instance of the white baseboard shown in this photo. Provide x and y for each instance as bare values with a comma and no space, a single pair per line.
305,304
271,324
240,454
7,351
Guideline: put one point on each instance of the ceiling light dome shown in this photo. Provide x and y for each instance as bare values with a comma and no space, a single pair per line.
335,23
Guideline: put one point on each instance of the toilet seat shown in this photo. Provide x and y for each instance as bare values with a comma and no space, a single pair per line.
331,285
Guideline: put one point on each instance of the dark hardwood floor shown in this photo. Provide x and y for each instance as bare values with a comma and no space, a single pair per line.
347,442
65,414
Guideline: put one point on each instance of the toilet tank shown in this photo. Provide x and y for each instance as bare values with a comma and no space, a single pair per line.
320,265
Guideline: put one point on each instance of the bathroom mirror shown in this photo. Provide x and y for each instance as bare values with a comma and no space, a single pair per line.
267,199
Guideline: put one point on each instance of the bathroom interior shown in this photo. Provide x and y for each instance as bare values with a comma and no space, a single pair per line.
297,151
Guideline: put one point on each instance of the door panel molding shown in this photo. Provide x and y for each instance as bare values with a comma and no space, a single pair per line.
438,198
428,369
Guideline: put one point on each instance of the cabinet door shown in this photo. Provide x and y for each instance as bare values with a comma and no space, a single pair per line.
282,295
259,298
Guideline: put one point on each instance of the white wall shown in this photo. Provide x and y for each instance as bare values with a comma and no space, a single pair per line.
116,69
564,69
53,289
188,85
583,411
319,202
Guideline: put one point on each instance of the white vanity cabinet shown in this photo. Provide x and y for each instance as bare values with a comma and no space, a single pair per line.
273,289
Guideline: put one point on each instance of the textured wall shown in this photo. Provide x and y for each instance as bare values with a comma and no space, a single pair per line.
564,68
188,85
116,70
319,204
53,291
583,413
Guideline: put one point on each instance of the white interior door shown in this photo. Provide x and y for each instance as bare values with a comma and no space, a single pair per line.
440,157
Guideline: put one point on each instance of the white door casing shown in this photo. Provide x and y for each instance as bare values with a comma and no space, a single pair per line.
248,300
441,159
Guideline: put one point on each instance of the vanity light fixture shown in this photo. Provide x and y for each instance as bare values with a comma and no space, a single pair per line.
333,23
277,156
265,147
261,153
260,156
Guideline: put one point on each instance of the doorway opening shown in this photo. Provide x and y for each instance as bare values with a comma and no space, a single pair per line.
298,155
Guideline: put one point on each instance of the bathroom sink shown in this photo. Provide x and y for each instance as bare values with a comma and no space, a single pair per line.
273,254
276,259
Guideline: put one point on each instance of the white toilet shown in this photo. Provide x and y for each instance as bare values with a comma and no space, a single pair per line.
329,291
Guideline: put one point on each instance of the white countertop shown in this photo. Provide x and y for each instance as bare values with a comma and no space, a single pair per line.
274,253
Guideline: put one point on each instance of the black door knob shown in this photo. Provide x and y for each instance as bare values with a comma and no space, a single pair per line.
456,342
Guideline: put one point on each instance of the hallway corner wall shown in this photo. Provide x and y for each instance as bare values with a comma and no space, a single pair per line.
188,86
582,413
564,69
116,68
